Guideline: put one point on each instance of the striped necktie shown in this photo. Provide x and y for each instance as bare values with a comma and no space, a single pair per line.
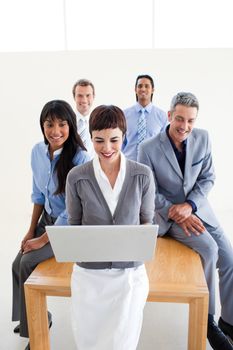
83,131
141,126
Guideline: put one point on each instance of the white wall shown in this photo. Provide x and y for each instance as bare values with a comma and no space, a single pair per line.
29,80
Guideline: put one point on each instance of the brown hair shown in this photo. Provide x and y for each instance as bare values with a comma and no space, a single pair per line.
83,82
107,117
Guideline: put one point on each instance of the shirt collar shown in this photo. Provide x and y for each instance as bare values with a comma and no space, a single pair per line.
147,108
55,153
184,143
97,166
82,117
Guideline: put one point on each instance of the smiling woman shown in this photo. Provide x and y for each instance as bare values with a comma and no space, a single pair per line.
108,297
56,132
51,160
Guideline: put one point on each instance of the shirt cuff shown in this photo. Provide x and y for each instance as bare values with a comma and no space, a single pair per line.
193,205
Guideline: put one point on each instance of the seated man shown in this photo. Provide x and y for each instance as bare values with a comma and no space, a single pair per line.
181,160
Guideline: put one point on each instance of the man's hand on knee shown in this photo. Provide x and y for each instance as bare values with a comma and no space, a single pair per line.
180,212
192,225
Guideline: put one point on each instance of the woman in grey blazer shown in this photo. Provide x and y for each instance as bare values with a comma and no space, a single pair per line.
108,297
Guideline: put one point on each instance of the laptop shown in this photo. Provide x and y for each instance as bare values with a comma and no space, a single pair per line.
103,243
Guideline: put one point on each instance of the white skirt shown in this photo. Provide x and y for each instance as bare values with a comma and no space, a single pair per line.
107,307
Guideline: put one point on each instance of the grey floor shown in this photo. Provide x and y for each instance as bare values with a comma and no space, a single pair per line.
164,326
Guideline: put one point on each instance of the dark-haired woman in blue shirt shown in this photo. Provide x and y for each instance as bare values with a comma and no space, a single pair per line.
51,161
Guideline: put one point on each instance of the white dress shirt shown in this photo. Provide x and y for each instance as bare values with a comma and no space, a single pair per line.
110,194
88,142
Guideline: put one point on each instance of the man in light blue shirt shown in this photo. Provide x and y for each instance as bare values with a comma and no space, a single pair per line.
154,120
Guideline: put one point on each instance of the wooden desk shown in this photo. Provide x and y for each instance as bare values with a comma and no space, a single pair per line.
175,276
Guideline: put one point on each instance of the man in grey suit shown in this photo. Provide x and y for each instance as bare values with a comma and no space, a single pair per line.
181,160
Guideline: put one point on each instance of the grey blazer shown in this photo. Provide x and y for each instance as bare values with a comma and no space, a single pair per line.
86,204
171,186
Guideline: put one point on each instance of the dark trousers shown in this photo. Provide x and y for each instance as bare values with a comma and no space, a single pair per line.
22,267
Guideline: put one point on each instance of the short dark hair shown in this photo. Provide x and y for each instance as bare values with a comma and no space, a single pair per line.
107,117
185,99
145,76
59,109
83,82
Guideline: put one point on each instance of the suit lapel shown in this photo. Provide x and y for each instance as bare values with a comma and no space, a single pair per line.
170,154
190,148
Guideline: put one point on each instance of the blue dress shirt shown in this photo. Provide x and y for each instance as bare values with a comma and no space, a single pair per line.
156,121
45,181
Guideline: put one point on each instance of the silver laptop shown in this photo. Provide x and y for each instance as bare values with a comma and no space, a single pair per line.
103,243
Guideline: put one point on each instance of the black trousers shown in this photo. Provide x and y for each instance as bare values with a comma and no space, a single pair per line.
22,267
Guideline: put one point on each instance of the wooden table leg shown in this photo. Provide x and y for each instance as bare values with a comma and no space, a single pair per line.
198,314
37,319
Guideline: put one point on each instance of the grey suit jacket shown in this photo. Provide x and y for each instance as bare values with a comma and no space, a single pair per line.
171,186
